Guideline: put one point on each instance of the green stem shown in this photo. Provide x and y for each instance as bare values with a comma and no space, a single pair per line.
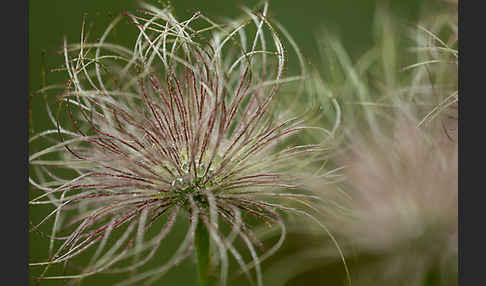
202,245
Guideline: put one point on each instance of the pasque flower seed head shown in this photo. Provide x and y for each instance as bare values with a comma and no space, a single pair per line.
184,121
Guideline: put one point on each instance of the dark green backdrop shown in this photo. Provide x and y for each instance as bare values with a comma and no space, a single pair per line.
51,20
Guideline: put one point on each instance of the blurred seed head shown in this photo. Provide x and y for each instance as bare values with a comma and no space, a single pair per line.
403,205
392,200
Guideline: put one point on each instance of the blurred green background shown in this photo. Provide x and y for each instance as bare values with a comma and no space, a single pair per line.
52,20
